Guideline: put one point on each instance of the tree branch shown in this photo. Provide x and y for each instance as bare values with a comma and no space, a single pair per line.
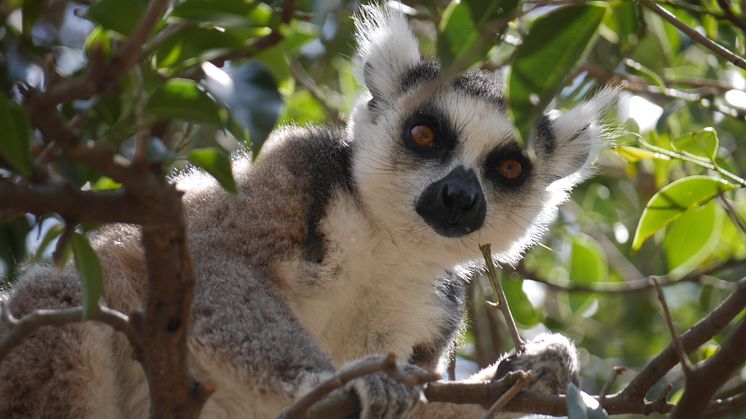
636,285
706,379
729,15
694,35
28,324
367,366
693,338
71,203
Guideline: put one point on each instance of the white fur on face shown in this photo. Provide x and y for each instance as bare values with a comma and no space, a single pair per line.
390,181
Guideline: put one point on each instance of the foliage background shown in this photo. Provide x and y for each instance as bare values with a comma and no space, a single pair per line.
585,280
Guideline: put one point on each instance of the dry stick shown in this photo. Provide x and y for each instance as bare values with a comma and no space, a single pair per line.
503,302
685,363
694,35
732,214
367,366
613,375
28,324
524,378
693,338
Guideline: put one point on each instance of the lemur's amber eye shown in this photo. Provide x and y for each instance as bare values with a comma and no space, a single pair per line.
422,135
510,169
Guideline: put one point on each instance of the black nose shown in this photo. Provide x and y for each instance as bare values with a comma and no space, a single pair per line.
453,206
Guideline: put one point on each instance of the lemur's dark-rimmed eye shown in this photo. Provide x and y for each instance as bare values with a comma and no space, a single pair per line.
509,169
422,136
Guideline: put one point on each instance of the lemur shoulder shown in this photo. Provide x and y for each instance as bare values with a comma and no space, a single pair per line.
341,244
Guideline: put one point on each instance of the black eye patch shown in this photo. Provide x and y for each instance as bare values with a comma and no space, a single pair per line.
428,134
509,167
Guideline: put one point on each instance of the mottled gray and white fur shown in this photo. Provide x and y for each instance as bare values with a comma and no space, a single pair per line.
328,254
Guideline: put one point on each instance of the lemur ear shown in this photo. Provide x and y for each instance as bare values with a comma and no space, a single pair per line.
386,49
579,137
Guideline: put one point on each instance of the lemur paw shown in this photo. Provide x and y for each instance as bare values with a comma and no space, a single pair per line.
552,358
384,397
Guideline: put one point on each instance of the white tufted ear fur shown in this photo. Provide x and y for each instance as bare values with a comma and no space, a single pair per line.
386,48
579,135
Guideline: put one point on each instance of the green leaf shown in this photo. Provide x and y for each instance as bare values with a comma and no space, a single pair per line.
49,237
225,12
546,57
217,163
523,312
634,154
587,265
99,38
119,16
702,144
106,184
580,405
673,200
252,96
691,239
461,28
193,45
651,76
183,99
90,271
15,146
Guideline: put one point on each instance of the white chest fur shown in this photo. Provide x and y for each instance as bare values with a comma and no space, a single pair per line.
372,295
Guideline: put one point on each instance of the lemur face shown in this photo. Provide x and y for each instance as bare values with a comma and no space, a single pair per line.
442,169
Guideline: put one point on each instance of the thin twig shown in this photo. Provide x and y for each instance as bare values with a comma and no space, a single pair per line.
613,375
28,324
367,366
503,301
702,277
299,74
694,35
685,363
732,214
524,379
693,338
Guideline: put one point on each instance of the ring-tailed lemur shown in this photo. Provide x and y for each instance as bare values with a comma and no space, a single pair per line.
341,244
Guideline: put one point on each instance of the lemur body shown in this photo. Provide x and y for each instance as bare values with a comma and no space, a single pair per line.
340,245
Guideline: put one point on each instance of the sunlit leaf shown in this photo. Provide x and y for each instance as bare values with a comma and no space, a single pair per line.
692,238
548,54
634,154
580,405
216,162
702,144
90,271
183,99
193,45
106,184
15,140
673,200
119,16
